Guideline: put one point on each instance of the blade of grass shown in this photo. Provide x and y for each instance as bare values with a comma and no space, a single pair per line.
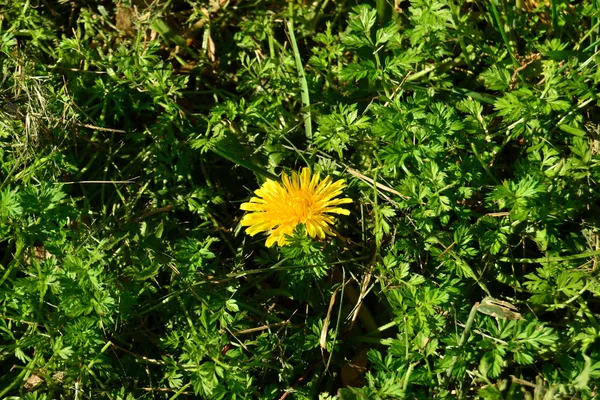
554,16
231,149
590,47
588,34
550,259
163,29
595,4
500,24
303,83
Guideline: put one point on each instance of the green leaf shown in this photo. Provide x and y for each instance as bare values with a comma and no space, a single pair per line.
498,309
583,378
383,35
231,149
9,204
231,305
572,130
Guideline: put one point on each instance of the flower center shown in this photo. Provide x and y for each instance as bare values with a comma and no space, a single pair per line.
301,206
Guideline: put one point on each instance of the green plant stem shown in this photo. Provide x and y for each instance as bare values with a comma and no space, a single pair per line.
588,33
17,380
11,266
382,328
187,315
554,16
485,167
368,339
588,314
463,337
93,361
318,14
180,391
382,8
591,46
407,376
23,375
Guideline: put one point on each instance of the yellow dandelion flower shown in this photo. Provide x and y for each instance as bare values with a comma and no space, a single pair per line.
301,199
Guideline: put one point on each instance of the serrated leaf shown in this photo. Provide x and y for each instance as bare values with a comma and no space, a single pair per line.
496,78
362,19
523,357
385,34
492,362
231,305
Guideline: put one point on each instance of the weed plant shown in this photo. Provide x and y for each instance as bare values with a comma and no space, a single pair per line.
468,134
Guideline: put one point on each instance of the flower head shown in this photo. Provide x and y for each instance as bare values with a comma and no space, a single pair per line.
301,199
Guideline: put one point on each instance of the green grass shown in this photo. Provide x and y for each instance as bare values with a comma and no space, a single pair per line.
468,134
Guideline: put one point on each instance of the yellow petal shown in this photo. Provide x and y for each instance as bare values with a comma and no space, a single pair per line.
337,210
252,207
